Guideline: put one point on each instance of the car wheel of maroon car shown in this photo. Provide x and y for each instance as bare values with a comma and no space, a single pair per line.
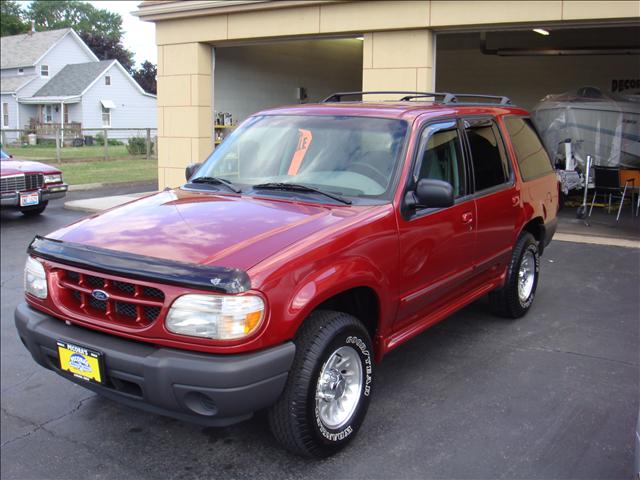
514,299
35,210
329,386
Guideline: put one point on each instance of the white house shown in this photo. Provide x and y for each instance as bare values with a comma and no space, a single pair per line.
52,79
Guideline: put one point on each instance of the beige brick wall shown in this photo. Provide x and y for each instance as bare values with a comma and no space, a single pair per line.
398,60
184,109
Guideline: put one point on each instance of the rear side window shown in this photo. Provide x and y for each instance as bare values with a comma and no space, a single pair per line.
531,155
487,153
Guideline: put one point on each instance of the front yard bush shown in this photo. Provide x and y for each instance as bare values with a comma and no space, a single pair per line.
138,146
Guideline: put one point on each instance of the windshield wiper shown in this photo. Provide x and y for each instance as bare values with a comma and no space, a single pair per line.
298,187
217,181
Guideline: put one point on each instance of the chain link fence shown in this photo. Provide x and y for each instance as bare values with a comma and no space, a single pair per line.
54,144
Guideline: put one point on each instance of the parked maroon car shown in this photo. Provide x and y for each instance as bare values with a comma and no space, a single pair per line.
314,240
28,186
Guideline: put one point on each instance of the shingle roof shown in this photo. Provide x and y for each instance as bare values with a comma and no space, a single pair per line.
73,79
25,49
11,84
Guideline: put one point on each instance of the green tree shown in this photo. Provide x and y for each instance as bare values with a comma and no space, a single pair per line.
146,77
82,17
99,28
12,21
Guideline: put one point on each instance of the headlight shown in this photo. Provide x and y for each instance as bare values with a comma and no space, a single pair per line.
35,279
56,178
219,317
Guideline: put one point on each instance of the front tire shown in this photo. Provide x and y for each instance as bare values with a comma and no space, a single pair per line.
329,386
35,210
514,299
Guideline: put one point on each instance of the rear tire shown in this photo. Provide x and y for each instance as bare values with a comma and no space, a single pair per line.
329,386
514,299
35,210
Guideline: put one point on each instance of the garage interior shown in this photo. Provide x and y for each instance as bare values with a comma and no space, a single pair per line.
250,78
526,66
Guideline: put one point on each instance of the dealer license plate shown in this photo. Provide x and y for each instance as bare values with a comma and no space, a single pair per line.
81,362
28,199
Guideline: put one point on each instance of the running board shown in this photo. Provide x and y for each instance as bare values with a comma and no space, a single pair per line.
447,310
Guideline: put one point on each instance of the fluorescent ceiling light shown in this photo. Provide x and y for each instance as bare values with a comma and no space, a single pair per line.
541,31
359,38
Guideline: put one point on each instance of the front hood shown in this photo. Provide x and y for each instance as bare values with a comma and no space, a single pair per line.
15,167
204,228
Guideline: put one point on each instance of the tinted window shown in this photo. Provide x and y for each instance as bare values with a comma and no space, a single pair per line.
352,156
489,162
531,155
440,157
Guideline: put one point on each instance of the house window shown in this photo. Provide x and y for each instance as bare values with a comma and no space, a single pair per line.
107,80
5,114
21,71
106,117
48,115
44,70
65,109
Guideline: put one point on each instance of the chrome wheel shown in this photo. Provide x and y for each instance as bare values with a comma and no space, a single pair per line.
339,387
526,275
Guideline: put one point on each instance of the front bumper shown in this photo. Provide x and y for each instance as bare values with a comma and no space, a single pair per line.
213,390
12,199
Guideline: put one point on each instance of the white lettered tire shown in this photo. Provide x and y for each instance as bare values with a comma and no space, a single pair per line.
328,388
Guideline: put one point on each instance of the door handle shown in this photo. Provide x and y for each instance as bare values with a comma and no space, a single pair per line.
467,217
515,200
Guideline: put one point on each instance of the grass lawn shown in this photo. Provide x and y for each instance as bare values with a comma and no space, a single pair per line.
41,152
111,171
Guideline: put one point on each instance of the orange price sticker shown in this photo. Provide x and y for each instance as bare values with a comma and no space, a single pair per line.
304,141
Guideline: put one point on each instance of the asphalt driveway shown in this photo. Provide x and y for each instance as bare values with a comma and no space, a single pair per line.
552,395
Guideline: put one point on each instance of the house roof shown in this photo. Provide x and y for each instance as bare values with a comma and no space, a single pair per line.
73,79
26,49
13,84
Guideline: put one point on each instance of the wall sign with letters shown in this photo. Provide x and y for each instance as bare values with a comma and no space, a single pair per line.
630,85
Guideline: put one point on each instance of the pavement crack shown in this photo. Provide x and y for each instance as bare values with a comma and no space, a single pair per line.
41,426
21,382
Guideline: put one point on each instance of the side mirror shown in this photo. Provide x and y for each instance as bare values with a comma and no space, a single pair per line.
431,193
191,170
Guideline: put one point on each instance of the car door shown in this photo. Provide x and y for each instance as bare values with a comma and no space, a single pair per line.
436,245
496,196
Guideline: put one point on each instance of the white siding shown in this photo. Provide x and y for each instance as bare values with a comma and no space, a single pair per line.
12,72
12,106
133,109
68,51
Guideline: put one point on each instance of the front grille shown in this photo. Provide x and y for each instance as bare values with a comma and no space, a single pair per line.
33,181
12,184
21,183
128,304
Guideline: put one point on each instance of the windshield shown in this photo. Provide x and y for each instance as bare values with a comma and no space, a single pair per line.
348,156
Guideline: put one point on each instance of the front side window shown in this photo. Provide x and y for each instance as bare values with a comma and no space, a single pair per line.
5,114
440,157
44,70
490,165
106,117
349,156
531,156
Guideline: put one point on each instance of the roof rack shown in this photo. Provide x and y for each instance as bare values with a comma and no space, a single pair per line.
447,98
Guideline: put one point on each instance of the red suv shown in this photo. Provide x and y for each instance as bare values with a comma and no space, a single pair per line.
312,242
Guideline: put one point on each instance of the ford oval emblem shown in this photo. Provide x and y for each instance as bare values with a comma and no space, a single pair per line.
100,295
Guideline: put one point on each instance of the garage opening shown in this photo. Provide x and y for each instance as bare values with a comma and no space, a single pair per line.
527,65
250,78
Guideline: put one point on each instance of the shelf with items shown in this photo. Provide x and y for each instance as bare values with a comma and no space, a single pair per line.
223,124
